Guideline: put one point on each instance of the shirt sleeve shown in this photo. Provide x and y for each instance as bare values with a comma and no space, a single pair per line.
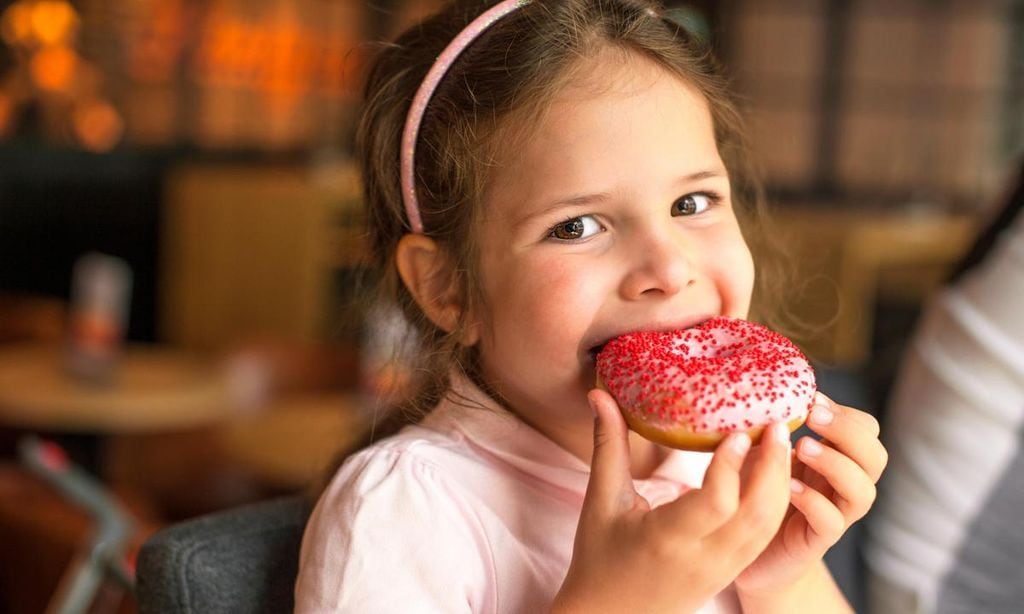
392,535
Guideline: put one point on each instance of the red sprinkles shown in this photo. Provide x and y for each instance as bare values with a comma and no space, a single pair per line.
723,375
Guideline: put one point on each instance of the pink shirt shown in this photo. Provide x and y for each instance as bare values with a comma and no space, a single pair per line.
471,511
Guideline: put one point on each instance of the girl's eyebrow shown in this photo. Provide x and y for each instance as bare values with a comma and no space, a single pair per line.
707,174
577,200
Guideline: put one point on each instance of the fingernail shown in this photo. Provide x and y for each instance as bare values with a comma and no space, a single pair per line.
810,448
781,432
821,415
796,485
740,443
820,400
593,407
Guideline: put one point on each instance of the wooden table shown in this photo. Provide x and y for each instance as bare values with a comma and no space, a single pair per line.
155,389
293,441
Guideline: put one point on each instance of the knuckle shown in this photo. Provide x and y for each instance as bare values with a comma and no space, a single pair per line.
603,436
883,459
868,499
834,525
860,502
722,504
664,550
873,426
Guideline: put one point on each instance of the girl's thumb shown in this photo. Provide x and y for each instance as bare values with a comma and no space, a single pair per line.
610,490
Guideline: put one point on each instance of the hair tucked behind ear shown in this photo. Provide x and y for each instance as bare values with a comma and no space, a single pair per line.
506,77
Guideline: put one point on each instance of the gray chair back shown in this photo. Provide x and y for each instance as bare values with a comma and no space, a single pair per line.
240,560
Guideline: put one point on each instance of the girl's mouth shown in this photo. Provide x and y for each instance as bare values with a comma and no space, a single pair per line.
662,326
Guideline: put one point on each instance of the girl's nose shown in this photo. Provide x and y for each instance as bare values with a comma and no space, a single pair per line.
661,265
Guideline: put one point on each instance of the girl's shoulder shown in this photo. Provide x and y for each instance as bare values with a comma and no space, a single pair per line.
415,461
395,506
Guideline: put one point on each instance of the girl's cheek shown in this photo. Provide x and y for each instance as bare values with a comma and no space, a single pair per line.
546,273
732,268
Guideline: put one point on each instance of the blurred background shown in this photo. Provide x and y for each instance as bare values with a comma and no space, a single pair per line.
180,224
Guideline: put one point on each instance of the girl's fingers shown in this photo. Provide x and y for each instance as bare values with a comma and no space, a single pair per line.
854,489
610,490
851,431
824,520
703,510
764,497
809,476
865,421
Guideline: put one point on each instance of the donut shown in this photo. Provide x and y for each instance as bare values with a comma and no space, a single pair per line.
690,388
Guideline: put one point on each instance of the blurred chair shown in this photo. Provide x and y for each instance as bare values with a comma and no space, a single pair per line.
47,537
40,531
241,560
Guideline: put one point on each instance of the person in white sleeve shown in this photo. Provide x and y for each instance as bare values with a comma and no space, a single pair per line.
947,532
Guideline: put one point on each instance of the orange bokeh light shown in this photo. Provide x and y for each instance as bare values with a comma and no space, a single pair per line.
53,22
17,24
39,24
283,61
53,69
97,125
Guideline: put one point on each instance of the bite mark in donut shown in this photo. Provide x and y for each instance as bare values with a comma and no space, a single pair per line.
690,388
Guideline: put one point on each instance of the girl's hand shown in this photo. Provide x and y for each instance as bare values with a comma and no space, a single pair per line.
630,558
833,487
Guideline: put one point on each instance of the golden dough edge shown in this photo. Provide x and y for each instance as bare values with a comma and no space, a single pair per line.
687,440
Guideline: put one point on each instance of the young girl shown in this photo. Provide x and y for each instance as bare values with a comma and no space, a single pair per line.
577,174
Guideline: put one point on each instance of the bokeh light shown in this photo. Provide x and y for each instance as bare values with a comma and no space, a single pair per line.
53,22
53,69
97,125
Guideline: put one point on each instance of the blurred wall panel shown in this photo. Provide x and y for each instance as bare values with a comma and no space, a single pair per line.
779,52
245,255
925,86
894,100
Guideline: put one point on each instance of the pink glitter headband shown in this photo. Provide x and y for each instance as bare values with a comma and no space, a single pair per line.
422,98
426,90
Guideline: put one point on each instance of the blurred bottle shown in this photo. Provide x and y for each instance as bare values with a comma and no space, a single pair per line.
100,301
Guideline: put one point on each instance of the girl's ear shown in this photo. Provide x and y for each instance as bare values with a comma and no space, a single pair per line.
429,274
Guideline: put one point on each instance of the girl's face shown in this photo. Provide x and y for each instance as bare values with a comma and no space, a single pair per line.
614,216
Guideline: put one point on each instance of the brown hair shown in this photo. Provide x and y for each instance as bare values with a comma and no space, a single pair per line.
514,69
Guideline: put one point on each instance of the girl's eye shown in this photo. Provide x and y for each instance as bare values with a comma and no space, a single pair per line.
692,204
575,228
